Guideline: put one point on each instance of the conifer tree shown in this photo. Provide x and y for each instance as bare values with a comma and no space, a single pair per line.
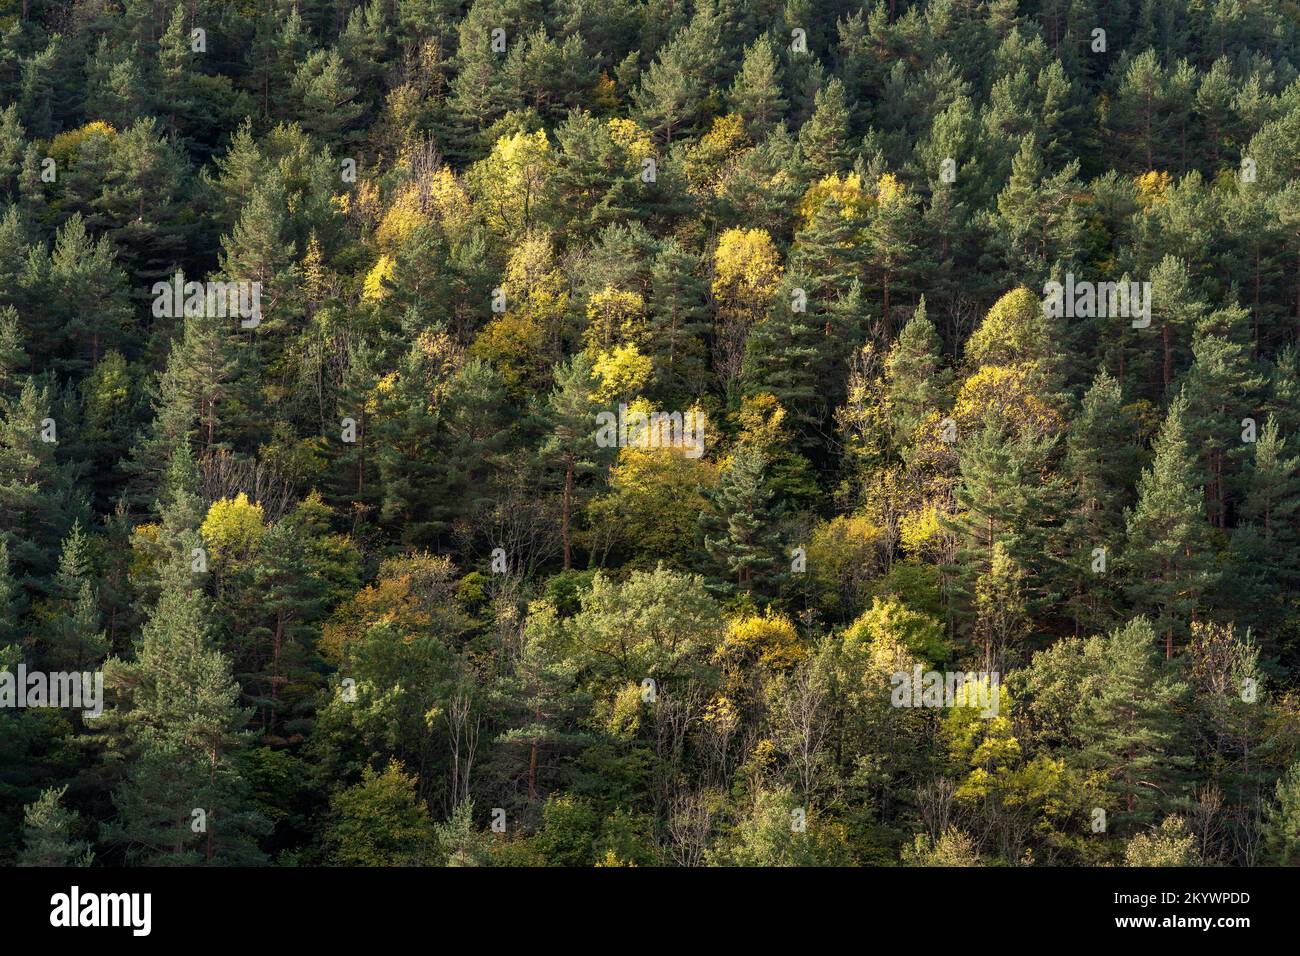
1101,464
1221,388
1128,725
49,833
756,92
1168,559
678,322
915,375
1263,572
183,798
739,528
75,639
824,139
571,444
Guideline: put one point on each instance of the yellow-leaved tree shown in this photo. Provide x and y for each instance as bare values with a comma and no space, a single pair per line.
524,342
746,272
508,182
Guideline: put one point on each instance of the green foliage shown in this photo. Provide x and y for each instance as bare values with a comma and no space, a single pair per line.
366,568
380,822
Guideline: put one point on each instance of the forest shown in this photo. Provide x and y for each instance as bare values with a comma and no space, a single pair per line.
650,433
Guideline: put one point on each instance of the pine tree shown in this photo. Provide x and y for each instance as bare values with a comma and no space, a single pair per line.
914,373
182,800
89,292
570,444
667,96
1263,571
48,834
1101,464
1008,494
1221,388
831,250
788,354
10,598
739,526
290,604
892,233
145,200
678,323
1140,115
824,139
75,639
1282,827
32,484
198,384
174,99
439,466
756,92
1128,725
257,250
1176,312
326,99
1167,556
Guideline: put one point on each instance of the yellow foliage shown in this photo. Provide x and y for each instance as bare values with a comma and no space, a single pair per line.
746,268
606,92
975,737
845,550
611,859
762,421
721,714
621,372
1152,188
625,713
515,345
770,637
64,146
408,590
614,316
386,386
509,181
1012,390
145,551
889,189
450,199
847,191
531,268
654,501
374,289
402,219
880,636
920,530
366,201
632,137
233,529
1010,332
440,195
706,163
763,757
930,459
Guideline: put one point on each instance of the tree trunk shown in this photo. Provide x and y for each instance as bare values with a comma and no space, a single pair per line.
1166,336
564,515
